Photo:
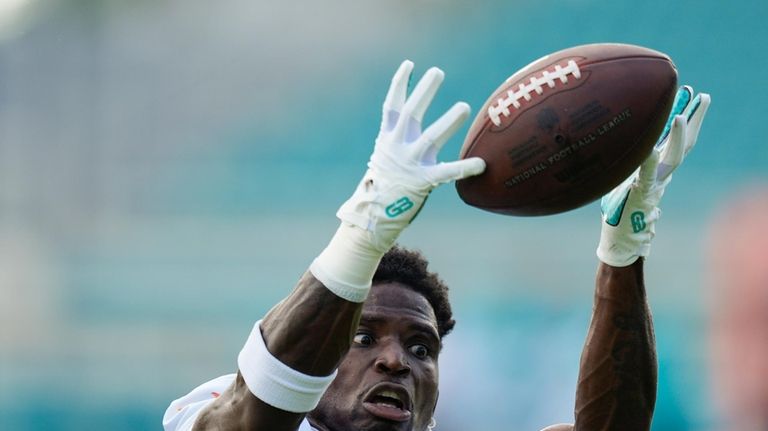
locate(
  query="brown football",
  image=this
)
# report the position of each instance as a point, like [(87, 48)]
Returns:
[(567, 128)]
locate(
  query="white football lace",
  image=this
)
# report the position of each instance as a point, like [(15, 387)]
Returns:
[(523, 91)]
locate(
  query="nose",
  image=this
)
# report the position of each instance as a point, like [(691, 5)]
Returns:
[(392, 360)]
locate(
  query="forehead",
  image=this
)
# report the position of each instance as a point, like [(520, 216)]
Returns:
[(392, 298)]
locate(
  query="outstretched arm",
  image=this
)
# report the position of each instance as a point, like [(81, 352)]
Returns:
[(617, 375), (618, 371), (290, 357)]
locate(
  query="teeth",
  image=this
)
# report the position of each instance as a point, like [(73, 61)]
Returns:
[(391, 394)]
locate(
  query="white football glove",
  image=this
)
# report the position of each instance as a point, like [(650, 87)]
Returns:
[(402, 171), (630, 211), (403, 168)]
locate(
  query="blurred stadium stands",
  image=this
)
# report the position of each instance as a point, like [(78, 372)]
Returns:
[(168, 169)]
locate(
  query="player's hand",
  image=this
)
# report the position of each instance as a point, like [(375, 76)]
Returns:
[(630, 210), (403, 168)]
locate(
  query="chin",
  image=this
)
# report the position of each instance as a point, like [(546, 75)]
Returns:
[(384, 425), (358, 421), (364, 421)]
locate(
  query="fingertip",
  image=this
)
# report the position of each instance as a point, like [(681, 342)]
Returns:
[(395, 97), (457, 170), (478, 165), (705, 100), (682, 99), (422, 95), (433, 77), (461, 111), (406, 65), (436, 72), (403, 74), (465, 168), (404, 71), (463, 106), (699, 109)]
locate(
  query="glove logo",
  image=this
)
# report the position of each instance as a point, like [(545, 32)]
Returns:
[(638, 221), (398, 207)]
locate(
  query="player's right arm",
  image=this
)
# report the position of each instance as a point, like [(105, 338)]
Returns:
[(291, 354), (618, 370)]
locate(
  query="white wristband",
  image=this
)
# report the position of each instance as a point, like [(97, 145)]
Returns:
[(347, 264), (276, 383)]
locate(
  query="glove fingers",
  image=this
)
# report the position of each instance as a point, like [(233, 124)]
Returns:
[(416, 105), (450, 171), (682, 101), (674, 149), (696, 115), (440, 131), (647, 175), (398, 88)]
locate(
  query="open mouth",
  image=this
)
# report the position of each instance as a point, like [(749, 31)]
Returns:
[(388, 401)]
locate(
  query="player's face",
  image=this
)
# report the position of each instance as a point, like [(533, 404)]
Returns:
[(388, 380)]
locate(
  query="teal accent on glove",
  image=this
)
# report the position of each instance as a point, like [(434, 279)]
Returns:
[(630, 210), (695, 107), (638, 221), (398, 207), (612, 206), (682, 99)]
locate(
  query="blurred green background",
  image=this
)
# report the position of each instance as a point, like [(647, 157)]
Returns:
[(168, 169)]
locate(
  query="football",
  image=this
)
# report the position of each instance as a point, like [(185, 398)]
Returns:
[(567, 128)]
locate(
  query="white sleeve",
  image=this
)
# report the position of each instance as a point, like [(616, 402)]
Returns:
[(182, 413), (304, 426)]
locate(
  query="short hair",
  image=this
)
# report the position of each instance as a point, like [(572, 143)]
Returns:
[(410, 268)]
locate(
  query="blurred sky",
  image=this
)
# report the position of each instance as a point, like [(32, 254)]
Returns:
[(168, 169)]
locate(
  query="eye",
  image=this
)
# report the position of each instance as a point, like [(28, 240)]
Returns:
[(362, 339), (419, 350)]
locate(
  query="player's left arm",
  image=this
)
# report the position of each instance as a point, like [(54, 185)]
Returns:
[(618, 369)]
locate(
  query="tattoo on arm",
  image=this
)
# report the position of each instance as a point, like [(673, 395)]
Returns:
[(617, 376)]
